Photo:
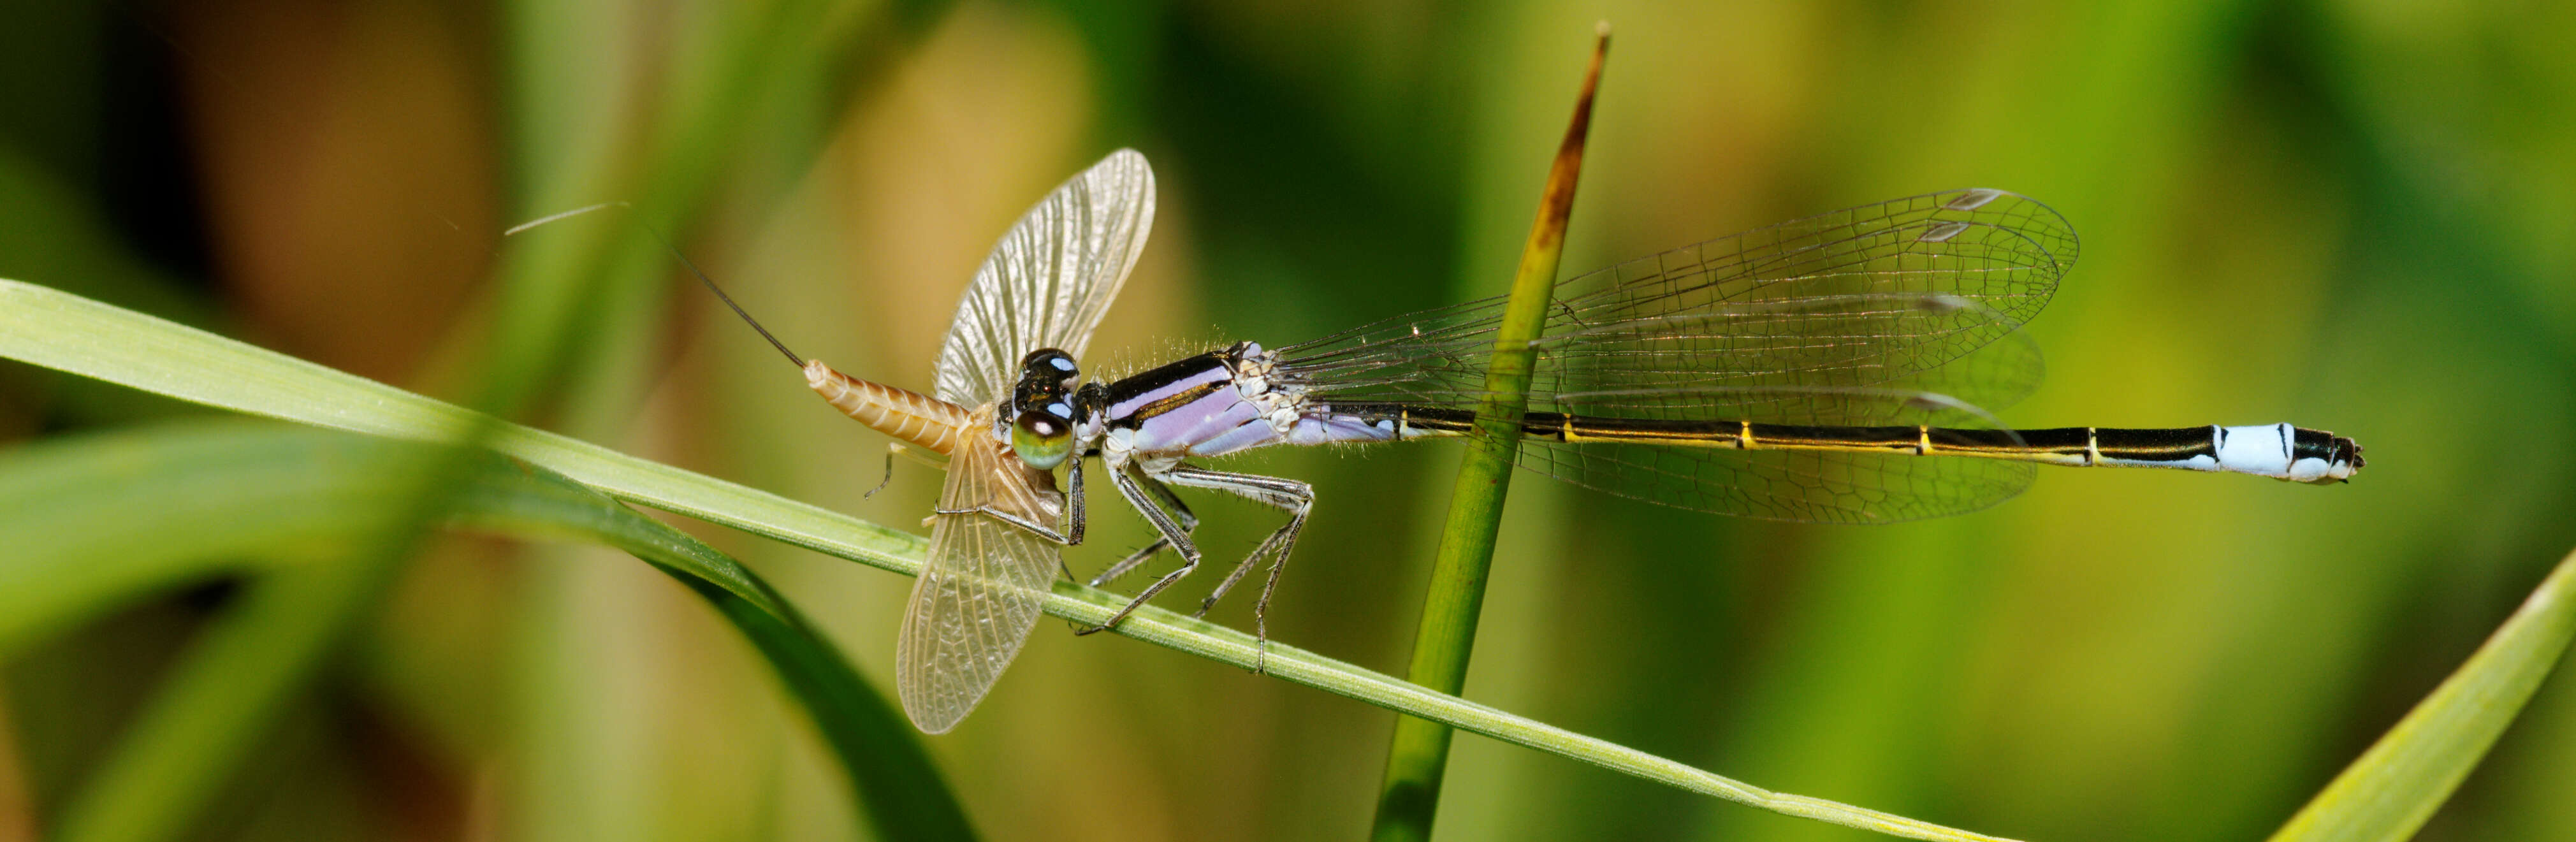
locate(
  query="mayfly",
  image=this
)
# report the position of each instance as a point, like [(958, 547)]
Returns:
[(1828, 369)]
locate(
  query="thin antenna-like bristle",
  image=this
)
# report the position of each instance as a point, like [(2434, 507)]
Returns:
[(676, 255), (558, 217), (737, 308)]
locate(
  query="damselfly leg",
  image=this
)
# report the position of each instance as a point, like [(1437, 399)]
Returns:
[(1172, 505), (1288, 495), (1132, 484), (1032, 527)]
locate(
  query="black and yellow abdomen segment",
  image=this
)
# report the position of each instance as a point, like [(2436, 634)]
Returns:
[(2278, 450)]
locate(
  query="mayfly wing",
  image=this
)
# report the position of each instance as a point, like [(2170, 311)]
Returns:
[(1049, 279), (1045, 285), (981, 590)]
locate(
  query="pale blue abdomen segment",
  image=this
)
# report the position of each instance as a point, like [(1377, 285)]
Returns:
[(1254, 431), (1218, 415), (1332, 429), (1311, 429)]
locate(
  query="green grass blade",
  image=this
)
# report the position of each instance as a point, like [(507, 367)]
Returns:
[(63, 331), (2396, 785), (70, 512), (313, 494), (222, 699), (1418, 753), (891, 774), (58, 330), (235, 682), (890, 770)]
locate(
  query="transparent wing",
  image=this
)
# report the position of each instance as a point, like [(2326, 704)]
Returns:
[(1883, 314), (1786, 359), (1808, 486), (1049, 279), (1857, 297), (980, 592)]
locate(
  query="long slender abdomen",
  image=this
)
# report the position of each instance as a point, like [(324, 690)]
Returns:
[(2280, 451), (911, 417)]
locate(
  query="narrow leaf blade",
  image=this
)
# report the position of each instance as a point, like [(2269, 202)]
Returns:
[(2396, 785)]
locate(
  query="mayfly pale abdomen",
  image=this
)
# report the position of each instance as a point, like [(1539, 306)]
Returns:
[(908, 416)]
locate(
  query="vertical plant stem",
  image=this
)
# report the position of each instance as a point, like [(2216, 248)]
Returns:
[(1418, 755)]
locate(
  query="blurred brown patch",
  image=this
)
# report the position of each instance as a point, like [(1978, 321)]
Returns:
[(348, 170), (980, 124)]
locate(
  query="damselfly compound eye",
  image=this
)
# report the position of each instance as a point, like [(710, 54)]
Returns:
[(1048, 365)]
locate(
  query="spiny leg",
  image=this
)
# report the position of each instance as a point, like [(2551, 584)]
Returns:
[(1073, 493), (889, 474), (1139, 557), (1032, 527), (1073, 490), (1296, 498), (1134, 491), (1288, 495), (894, 449), (1171, 503), (1071, 534)]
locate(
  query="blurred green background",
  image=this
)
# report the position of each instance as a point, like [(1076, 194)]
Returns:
[(2349, 215)]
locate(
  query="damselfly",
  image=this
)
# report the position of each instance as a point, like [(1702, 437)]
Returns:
[(1830, 369)]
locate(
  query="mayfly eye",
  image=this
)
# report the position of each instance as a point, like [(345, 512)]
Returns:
[(1041, 440)]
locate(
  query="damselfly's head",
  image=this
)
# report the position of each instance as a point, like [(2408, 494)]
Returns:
[(1042, 406)]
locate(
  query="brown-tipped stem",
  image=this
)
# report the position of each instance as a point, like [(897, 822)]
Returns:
[(1418, 754)]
